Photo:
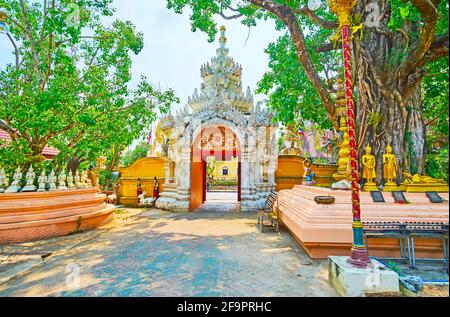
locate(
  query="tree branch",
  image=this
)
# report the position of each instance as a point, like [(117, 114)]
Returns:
[(416, 58), (329, 25), (327, 47), (57, 44), (230, 17), (16, 50), (439, 48), (285, 14), (28, 32), (75, 140), (437, 116)]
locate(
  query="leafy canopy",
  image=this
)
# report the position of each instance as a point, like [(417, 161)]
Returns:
[(71, 88)]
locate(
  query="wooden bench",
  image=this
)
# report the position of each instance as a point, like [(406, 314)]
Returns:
[(406, 232), (267, 212)]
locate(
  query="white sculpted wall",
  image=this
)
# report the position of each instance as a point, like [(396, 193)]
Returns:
[(221, 103)]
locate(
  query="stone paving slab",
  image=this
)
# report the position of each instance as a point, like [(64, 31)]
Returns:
[(156, 253)]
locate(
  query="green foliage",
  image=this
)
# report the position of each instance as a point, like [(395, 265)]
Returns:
[(138, 152), (435, 98), (201, 16), (435, 112), (105, 178), (71, 89), (219, 182), (375, 119), (291, 95), (437, 163), (395, 267), (210, 166), (400, 12)]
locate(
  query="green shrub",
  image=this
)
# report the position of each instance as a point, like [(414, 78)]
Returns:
[(223, 183), (137, 153), (437, 163)]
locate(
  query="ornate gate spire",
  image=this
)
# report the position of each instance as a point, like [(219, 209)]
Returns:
[(222, 82)]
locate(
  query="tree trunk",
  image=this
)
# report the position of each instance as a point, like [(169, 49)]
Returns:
[(415, 134), (383, 116), (73, 163)]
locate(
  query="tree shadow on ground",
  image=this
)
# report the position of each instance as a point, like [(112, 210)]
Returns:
[(180, 255)]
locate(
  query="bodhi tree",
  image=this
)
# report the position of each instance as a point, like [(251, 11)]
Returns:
[(394, 45), (70, 87)]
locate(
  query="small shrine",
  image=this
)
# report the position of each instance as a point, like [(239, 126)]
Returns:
[(219, 120)]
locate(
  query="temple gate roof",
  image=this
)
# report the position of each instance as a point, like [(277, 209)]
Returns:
[(222, 82)]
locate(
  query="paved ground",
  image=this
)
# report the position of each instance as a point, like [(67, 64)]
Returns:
[(214, 252), (217, 196)]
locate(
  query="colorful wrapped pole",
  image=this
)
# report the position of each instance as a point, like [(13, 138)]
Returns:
[(359, 255)]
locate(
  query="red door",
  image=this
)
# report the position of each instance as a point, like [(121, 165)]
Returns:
[(204, 181), (198, 179)]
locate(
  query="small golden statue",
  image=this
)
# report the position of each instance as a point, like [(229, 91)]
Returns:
[(369, 173), (390, 165), (390, 170), (93, 176)]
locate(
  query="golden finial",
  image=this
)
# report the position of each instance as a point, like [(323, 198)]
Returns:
[(342, 8), (223, 38)]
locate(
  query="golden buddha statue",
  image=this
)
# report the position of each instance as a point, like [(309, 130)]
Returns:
[(390, 170), (389, 165), (368, 161), (344, 153), (421, 183)]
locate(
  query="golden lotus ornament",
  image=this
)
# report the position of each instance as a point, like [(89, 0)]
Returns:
[(342, 9)]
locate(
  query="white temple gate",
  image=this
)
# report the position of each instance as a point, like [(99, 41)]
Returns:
[(222, 121)]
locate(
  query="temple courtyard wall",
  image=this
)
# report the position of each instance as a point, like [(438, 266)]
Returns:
[(289, 173), (146, 169)]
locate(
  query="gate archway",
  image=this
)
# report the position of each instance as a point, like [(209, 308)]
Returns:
[(220, 142), (219, 120)]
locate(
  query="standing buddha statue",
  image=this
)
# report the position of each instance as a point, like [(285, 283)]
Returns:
[(155, 188), (389, 170), (368, 163), (139, 189)]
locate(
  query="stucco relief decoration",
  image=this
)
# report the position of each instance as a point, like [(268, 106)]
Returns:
[(221, 116)]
